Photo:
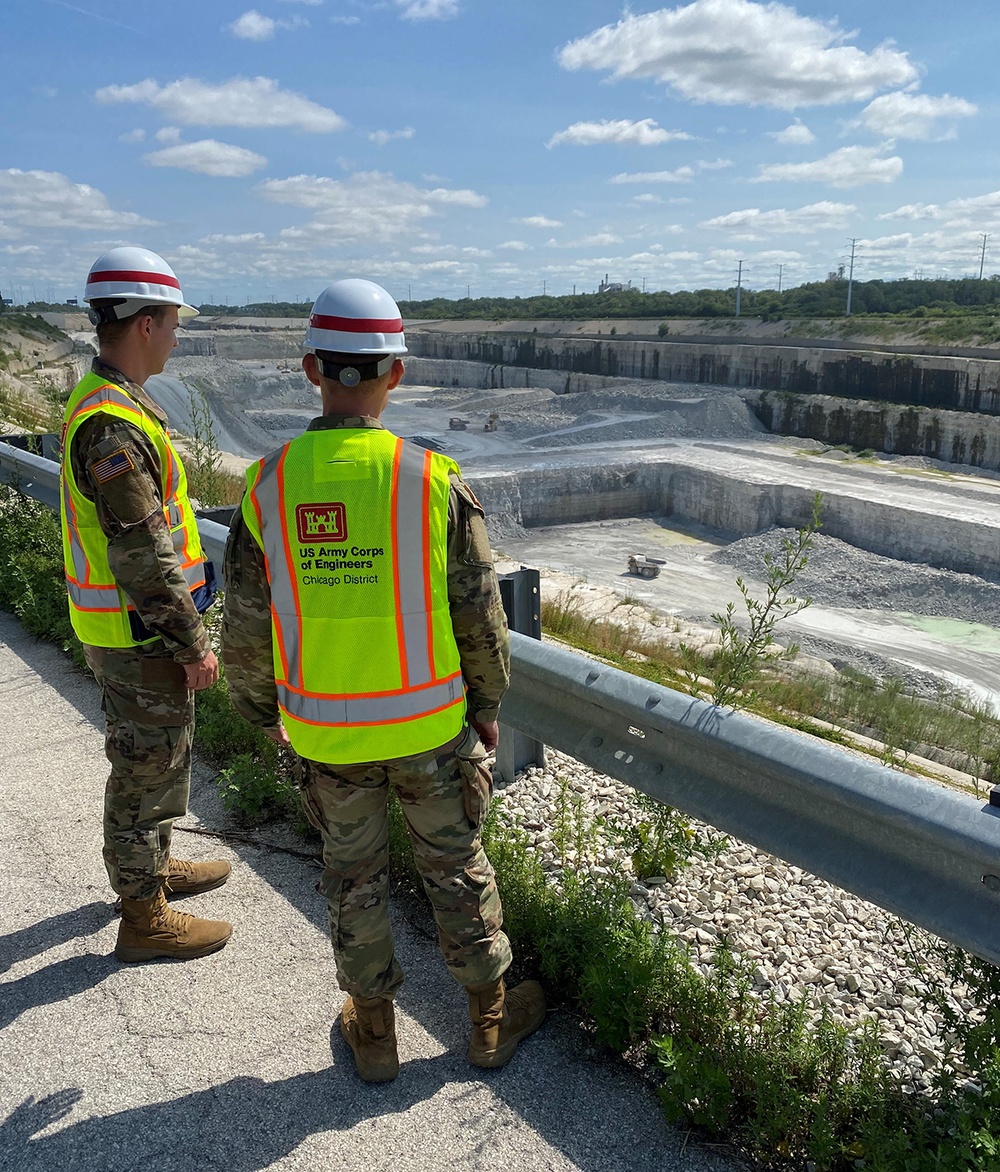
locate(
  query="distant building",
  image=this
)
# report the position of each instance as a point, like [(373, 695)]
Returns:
[(611, 287), (8, 301), (836, 276)]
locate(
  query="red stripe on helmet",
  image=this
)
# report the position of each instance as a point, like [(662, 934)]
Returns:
[(358, 325), (138, 277)]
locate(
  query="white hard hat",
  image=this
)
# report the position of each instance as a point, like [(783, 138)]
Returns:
[(135, 277), (355, 317)]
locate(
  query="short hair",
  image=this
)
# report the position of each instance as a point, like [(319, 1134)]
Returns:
[(111, 332)]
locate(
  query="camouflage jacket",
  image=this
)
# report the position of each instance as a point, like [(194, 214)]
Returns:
[(477, 614), (130, 513)]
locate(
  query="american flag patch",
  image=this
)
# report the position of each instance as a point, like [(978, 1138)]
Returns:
[(112, 466)]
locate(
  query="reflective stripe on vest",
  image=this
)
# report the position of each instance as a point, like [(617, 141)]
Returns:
[(98, 610), (421, 701)]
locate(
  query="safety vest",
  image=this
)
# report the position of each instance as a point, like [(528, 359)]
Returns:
[(101, 614), (353, 523)]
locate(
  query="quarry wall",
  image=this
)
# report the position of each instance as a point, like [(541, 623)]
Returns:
[(958, 437), (945, 383), (732, 503)]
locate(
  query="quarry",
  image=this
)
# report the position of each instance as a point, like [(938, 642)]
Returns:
[(591, 442)]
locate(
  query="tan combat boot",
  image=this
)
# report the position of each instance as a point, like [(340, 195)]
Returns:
[(501, 1019), (184, 878), (151, 928), (368, 1026)]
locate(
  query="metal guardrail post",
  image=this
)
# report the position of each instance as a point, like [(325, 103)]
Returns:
[(522, 603)]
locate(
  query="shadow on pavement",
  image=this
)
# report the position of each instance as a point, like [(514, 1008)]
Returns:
[(54, 983), (243, 1125), (56, 930)]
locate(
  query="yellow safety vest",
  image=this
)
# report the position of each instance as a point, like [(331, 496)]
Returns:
[(101, 614), (353, 523)]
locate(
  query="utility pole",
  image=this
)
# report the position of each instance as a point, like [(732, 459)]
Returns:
[(574, 290), (468, 292), (644, 284), (850, 277), (739, 287), (409, 293), (984, 236), (545, 286), (780, 267)]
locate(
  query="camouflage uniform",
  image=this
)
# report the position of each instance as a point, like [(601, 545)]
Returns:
[(444, 794), (149, 710)]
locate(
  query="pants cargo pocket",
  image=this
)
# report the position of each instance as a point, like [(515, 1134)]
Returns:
[(477, 789)]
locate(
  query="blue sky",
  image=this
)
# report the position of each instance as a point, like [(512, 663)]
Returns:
[(267, 147)]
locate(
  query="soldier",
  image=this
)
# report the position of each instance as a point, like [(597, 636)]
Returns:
[(362, 624), (137, 586)]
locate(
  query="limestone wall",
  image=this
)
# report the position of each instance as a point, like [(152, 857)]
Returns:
[(948, 383), (958, 437), (732, 503)]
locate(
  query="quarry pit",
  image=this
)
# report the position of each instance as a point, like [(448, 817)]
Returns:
[(904, 574)]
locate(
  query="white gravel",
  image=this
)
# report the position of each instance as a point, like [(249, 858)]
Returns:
[(804, 938)]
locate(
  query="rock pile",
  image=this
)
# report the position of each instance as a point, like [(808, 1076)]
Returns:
[(804, 939)]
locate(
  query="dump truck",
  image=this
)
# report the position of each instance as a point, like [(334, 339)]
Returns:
[(493, 422), (457, 424), (644, 567)]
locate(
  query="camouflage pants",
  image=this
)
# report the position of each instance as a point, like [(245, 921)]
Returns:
[(445, 795), (150, 726)]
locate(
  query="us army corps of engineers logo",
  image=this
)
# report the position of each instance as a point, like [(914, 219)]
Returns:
[(321, 523)]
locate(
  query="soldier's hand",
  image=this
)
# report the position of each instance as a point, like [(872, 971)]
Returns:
[(489, 733), (277, 734), (203, 674)]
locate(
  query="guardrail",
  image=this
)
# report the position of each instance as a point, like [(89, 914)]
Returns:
[(923, 852)]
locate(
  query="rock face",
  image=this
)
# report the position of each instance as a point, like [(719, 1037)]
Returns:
[(958, 437), (712, 486), (945, 383)]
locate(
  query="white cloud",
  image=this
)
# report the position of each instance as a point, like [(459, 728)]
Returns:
[(427, 9), (345, 19), (132, 136), (47, 199), (382, 137), (515, 246), (238, 238), (738, 52), (168, 134), (538, 222), (752, 222), (242, 101), (974, 213), (646, 197), (713, 164), (208, 157), (252, 26), (851, 166), (914, 211), (597, 240), (914, 116), (620, 131), (795, 135), (681, 175), (369, 205)]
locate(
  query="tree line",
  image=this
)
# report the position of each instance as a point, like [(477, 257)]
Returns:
[(824, 299)]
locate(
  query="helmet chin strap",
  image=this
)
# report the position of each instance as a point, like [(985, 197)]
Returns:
[(349, 375)]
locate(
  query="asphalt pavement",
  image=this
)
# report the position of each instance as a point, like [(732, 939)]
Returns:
[(235, 1061)]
